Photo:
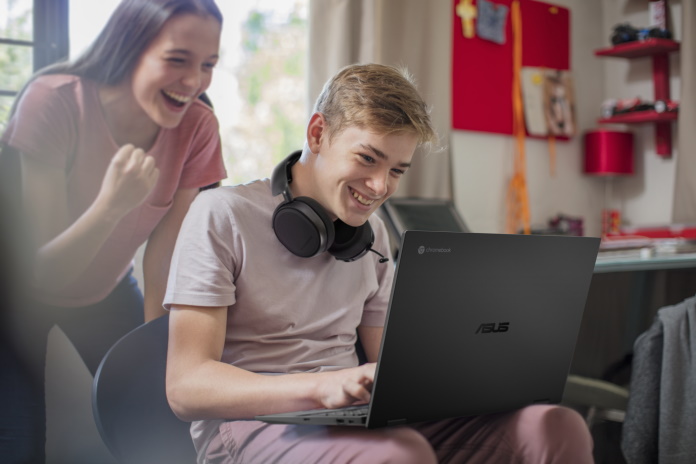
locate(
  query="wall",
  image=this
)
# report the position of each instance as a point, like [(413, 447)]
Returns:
[(482, 163), (646, 197)]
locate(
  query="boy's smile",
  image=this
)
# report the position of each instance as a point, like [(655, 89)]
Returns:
[(355, 171)]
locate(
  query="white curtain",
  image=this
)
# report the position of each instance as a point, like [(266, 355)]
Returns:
[(412, 33), (685, 182)]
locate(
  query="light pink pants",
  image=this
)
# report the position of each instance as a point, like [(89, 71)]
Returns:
[(535, 434)]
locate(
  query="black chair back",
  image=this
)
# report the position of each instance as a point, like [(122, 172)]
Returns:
[(130, 404)]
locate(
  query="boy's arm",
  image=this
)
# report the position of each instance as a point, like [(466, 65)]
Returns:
[(200, 386), (371, 339)]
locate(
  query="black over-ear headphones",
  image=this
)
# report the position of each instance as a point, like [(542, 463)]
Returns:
[(303, 226)]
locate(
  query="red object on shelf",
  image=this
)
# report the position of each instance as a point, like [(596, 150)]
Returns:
[(658, 49), (608, 153), (611, 222), (638, 48), (640, 116)]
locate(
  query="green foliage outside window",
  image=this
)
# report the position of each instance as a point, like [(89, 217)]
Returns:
[(272, 86), (15, 60)]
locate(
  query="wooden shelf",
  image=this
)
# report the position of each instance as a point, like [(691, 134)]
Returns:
[(639, 48), (639, 117)]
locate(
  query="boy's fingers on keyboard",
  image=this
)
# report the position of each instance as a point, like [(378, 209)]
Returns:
[(357, 391)]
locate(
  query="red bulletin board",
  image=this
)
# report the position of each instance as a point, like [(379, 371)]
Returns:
[(482, 70)]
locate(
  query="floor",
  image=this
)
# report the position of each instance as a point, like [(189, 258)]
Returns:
[(71, 434)]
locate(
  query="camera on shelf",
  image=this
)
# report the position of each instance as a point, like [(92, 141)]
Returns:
[(624, 33)]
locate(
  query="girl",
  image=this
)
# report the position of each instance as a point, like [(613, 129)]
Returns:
[(114, 147)]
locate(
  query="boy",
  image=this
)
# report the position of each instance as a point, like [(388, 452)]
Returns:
[(269, 293)]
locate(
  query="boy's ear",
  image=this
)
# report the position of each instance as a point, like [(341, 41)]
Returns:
[(315, 131)]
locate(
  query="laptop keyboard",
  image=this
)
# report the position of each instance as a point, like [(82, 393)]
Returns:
[(353, 411)]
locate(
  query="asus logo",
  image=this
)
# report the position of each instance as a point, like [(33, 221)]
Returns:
[(491, 327)]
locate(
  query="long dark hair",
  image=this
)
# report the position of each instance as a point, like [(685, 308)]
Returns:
[(131, 28)]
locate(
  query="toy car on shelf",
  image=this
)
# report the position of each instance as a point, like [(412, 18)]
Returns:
[(616, 106), (613, 106)]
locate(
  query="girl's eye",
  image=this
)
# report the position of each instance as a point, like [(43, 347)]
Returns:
[(176, 60)]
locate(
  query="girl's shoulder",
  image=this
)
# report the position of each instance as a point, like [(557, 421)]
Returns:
[(66, 88), (57, 81)]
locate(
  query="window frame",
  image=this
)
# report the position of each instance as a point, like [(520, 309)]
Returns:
[(51, 39)]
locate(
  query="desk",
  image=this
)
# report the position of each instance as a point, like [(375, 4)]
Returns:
[(624, 296), (652, 263)]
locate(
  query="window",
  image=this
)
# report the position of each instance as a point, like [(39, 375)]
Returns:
[(16, 51), (33, 34), (259, 85), (259, 89)]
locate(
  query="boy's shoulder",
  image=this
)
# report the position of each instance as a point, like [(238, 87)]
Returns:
[(257, 192), (255, 188)]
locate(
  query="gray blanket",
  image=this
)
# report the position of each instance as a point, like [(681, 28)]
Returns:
[(660, 425)]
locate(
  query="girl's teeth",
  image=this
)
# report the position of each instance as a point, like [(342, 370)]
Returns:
[(179, 98)]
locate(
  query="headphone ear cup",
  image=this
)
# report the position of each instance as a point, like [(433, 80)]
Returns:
[(303, 227), (351, 243)]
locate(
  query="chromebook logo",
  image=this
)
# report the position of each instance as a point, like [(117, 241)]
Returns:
[(422, 249)]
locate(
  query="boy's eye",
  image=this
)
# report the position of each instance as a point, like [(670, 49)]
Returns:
[(368, 158)]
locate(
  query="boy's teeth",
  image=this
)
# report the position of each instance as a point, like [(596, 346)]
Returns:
[(361, 199)]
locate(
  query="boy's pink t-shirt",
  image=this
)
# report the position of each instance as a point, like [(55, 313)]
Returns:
[(59, 120)]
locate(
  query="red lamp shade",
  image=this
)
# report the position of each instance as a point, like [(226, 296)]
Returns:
[(608, 153)]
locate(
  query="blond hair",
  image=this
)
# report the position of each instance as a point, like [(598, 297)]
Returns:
[(376, 97)]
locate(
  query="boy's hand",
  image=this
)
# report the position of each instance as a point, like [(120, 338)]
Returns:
[(346, 387)]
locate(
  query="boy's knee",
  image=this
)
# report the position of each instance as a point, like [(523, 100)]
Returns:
[(564, 433), (566, 421), (402, 445)]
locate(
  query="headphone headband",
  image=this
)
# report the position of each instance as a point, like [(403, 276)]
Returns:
[(282, 175)]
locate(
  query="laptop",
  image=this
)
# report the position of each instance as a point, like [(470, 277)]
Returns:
[(402, 214), (477, 323)]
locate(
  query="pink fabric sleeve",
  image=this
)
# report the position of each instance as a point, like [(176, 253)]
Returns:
[(204, 165), (375, 311), (43, 124)]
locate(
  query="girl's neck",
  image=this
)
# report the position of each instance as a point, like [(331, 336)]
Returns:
[(126, 120)]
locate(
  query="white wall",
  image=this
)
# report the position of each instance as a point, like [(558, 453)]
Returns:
[(482, 163), (647, 196)]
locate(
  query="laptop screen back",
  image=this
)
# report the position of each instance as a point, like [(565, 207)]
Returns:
[(480, 323)]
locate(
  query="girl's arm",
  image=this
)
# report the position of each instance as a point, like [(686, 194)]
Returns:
[(64, 249), (158, 253)]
